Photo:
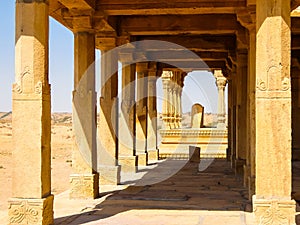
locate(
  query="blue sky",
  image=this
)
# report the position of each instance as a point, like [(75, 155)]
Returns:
[(199, 86)]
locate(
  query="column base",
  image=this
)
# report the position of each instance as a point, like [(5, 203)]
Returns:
[(228, 154), (239, 166), (128, 164), (31, 211), (152, 155), (84, 186), (274, 211), (251, 187), (142, 159), (194, 154), (232, 161), (246, 169), (109, 175)]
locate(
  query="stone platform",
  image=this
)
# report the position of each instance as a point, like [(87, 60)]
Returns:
[(175, 143)]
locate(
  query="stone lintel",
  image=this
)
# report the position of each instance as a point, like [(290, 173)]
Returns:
[(109, 175), (84, 186), (142, 159), (24, 211), (274, 211), (128, 163)]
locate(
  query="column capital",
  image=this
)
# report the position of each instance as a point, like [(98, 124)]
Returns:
[(166, 75), (221, 81), (83, 23), (152, 71), (142, 67), (105, 42)]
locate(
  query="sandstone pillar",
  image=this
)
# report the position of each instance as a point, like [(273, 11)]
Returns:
[(152, 114), (32, 202), (229, 149), (295, 74), (141, 113), (178, 103), (221, 82), (249, 169), (166, 80), (175, 98), (241, 111), (233, 116), (272, 201), (127, 158), (171, 93), (108, 119), (84, 180)]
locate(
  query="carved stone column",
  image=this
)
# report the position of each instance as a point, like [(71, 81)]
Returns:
[(127, 122), (166, 80), (174, 102), (232, 90), (221, 82), (272, 202), (141, 113), (84, 180), (178, 106), (152, 114), (249, 170), (241, 111), (180, 87), (32, 201), (229, 149), (108, 118), (171, 92), (295, 74)]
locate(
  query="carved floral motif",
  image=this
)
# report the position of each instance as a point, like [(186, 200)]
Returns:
[(23, 213), (273, 216), (38, 87), (286, 84), (261, 85)]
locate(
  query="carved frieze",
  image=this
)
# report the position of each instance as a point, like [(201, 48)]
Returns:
[(274, 212)]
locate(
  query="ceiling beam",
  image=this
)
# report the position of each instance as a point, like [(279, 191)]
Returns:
[(196, 43), (184, 56), (176, 24), (79, 4), (190, 66), (175, 7)]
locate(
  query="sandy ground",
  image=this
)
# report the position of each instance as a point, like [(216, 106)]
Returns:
[(61, 156)]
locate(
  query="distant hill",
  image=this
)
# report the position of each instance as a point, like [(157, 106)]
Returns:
[(210, 119)]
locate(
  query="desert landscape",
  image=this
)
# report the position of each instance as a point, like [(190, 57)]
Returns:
[(61, 154)]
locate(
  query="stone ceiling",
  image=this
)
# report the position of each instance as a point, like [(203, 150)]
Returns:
[(213, 29)]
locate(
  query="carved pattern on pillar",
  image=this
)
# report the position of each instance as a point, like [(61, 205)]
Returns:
[(221, 82), (32, 202), (166, 79), (31, 211), (172, 84), (274, 212), (273, 168)]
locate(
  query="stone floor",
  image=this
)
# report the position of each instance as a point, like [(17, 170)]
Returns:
[(170, 192)]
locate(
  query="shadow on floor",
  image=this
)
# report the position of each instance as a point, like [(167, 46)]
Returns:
[(216, 188)]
